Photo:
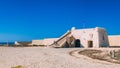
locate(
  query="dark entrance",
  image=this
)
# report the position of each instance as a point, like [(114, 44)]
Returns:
[(77, 43), (90, 43)]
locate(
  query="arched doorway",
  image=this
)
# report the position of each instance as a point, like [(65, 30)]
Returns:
[(77, 43)]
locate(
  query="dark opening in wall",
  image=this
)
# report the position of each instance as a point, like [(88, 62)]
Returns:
[(90, 43), (77, 43)]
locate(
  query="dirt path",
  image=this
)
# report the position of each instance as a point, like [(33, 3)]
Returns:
[(38, 57)]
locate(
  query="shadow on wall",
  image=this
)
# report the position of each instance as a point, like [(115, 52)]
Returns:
[(74, 44)]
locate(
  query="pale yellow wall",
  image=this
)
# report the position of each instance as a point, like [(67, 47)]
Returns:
[(114, 40), (49, 41), (37, 42)]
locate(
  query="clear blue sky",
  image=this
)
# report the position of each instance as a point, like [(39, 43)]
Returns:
[(36, 19)]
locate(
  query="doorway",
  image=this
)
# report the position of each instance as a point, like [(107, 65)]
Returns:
[(77, 43), (90, 44)]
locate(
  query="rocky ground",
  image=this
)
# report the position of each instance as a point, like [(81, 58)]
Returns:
[(43, 57)]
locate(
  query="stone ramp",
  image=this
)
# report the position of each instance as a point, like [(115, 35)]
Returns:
[(62, 41)]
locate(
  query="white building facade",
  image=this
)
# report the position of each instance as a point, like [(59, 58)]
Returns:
[(86, 38), (93, 37)]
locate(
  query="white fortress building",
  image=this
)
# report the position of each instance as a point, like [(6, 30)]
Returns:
[(86, 38)]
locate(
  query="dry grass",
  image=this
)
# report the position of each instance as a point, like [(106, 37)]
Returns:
[(18, 66), (101, 55)]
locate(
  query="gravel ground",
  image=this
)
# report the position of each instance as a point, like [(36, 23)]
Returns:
[(42, 57)]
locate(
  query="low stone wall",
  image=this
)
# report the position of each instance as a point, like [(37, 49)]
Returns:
[(47, 41), (114, 40), (37, 42)]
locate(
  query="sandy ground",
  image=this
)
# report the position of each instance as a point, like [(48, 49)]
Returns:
[(41, 57)]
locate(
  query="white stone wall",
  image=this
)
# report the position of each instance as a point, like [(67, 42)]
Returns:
[(103, 38), (83, 35), (16, 43), (93, 34)]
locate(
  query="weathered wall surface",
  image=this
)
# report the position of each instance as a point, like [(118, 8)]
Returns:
[(91, 37), (37, 42), (114, 40), (97, 35), (103, 38), (47, 41), (84, 35)]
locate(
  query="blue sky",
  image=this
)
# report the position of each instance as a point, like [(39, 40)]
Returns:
[(25, 20)]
